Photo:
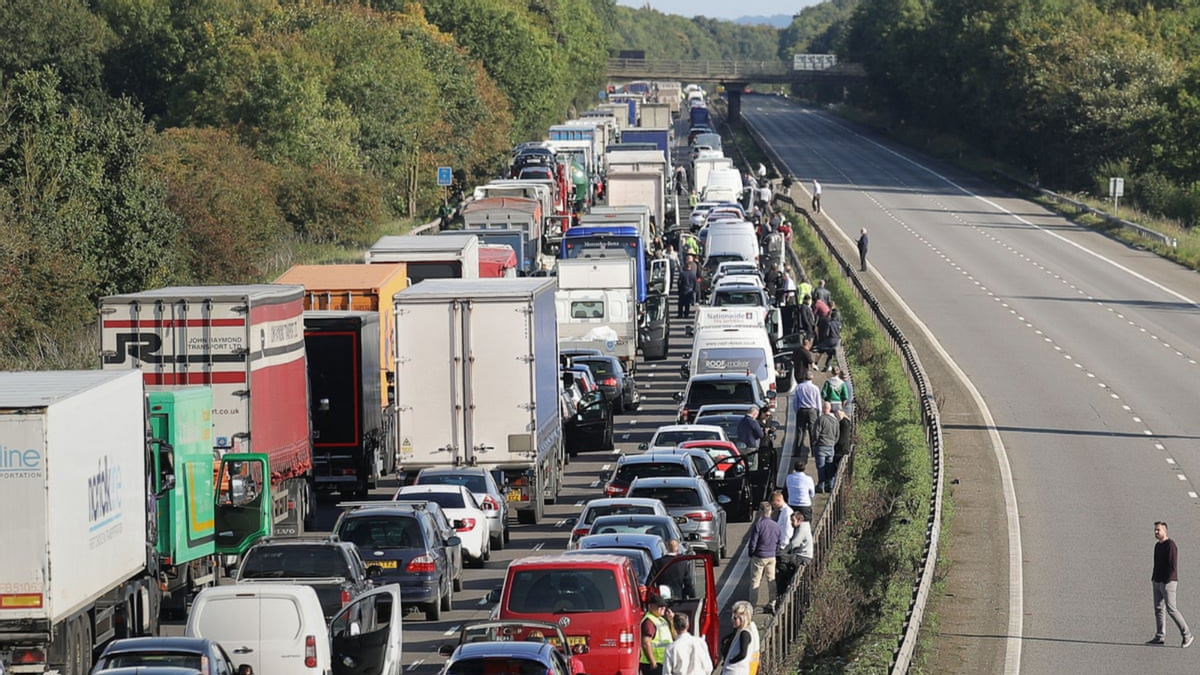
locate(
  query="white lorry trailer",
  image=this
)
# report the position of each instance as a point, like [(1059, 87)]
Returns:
[(477, 383), (448, 257), (597, 307), (78, 566)]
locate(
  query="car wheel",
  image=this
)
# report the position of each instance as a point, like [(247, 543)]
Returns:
[(433, 611), (507, 533), (498, 542)]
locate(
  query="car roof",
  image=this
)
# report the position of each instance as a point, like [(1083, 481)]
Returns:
[(650, 458), (631, 501), (387, 509), (667, 481), (149, 670), (475, 650), (452, 470), (689, 427), (717, 377), (180, 644), (632, 517), (632, 538), (561, 560), (429, 487)]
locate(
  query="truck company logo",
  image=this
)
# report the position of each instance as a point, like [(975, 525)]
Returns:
[(104, 502), (148, 347), (726, 364), (17, 463)]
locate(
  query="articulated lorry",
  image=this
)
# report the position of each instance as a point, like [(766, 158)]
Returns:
[(597, 307), (478, 384), (247, 344), (659, 136)]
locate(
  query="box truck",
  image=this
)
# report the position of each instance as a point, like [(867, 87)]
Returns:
[(478, 384), (247, 344), (505, 216), (450, 257), (597, 307), (78, 566)]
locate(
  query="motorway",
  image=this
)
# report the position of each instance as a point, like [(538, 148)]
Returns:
[(1083, 352)]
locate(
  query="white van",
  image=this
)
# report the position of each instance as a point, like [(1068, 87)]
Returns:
[(724, 185), (733, 350), (281, 630)]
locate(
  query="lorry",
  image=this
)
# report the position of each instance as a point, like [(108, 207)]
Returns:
[(670, 93), (656, 115), (608, 241), (597, 307), (624, 214), (659, 136), (497, 261), (247, 344), (553, 222), (698, 116), (704, 165), (79, 565), (622, 112), (508, 216), (350, 450), (634, 101), (478, 384), (451, 257), (640, 188)]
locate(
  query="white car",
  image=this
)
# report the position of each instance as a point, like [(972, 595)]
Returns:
[(670, 436), (738, 280), (464, 513), (611, 506), (733, 268)]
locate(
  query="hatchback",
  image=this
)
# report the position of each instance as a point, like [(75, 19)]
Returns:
[(487, 493), (612, 506), (630, 467), (671, 435), (460, 507), (198, 654), (730, 388), (618, 386), (695, 508)]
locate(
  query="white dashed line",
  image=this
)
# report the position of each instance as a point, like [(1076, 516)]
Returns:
[(451, 631)]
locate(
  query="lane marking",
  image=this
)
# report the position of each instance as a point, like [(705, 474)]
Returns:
[(415, 664), (451, 631), (538, 546)]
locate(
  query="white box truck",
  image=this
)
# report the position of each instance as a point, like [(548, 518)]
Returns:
[(597, 307), (639, 188), (78, 566), (448, 257), (477, 383)]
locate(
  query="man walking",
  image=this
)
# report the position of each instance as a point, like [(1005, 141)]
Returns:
[(687, 289), (1165, 578), (688, 654), (799, 486), (763, 546), (862, 249), (825, 439), (816, 200), (806, 408)]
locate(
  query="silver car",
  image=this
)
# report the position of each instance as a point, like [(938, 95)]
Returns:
[(694, 507), (487, 492)]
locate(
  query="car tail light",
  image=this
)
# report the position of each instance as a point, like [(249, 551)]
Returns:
[(468, 525), (422, 563), (345, 597), (626, 637), (28, 657), (614, 490), (310, 651), (490, 504), (772, 384), (610, 382), (580, 532), (703, 516)]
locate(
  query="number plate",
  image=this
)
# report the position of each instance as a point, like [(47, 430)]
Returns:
[(572, 640), (514, 495), (384, 564)]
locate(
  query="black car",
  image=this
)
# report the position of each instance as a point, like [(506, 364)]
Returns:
[(591, 427), (721, 388), (617, 385), (330, 566), (654, 329), (646, 464), (406, 543), (140, 654)]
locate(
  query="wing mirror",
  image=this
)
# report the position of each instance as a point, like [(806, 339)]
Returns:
[(643, 446), (771, 395), (692, 536), (445, 650), (723, 500), (677, 396)]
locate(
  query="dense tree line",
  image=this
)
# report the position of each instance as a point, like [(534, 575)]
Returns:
[(1075, 91), (670, 36), (152, 142)]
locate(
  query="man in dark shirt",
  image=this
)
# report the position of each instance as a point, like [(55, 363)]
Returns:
[(749, 431), (687, 288), (764, 544), (1165, 578)]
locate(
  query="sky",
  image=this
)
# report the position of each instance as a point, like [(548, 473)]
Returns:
[(722, 9)]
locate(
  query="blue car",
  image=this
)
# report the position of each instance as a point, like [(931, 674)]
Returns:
[(510, 658)]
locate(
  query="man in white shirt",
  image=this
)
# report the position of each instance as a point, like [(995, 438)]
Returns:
[(783, 516), (800, 489), (816, 193), (688, 654)]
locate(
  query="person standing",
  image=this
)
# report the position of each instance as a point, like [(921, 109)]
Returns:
[(823, 444), (834, 391), (762, 547), (808, 318), (799, 486), (742, 657), (657, 632), (816, 193), (749, 430), (821, 292), (687, 289), (806, 408), (830, 340), (783, 518), (842, 448), (1165, 579), (762, 170), (688, 654), (802, 359), (862, 249)]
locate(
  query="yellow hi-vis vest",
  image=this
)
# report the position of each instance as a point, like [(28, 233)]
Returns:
[(662, 638)]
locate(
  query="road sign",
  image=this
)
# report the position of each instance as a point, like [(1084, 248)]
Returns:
[(445, 177), (813, 61), (1116, 190)]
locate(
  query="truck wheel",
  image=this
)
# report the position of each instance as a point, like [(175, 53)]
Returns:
[(74, 661)]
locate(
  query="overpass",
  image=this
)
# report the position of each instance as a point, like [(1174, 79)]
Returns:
[(733, 75)]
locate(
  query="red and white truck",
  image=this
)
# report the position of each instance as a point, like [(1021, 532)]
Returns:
[(247, 344)]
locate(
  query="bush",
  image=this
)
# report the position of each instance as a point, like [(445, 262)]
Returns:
[(325, 205)]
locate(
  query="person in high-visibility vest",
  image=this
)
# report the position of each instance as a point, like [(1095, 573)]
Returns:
[(743, 656), (657, 632)]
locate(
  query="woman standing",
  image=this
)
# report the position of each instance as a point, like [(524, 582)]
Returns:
[(742, 656)]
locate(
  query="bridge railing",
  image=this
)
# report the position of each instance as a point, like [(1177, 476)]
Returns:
[(688, 68)]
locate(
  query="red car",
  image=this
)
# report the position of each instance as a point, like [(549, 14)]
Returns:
[(723, 453)]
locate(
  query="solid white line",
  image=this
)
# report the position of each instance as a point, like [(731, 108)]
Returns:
[(1016, 612), (735, 575)]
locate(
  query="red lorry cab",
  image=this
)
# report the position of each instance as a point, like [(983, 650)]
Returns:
[(596, 601)]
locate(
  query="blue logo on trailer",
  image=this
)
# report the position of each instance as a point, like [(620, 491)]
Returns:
[(444, 176)]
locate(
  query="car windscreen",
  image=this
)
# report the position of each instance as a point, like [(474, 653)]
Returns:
[(724, 391), (614, 509), (670, 439), (293, 560), (474, 482), (640, 559), (658, 529), (727, 422), (382, 532), (628, 472), (446, 500), (601, 368), (724, 298), (557, 591), (151, 659), (732, 360), (670, 496), (497, 665)]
